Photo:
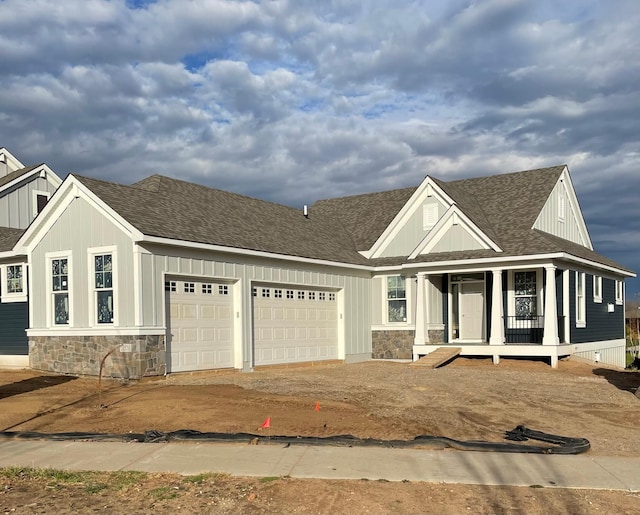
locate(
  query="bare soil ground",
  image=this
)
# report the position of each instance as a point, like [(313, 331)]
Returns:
[(469, 399)]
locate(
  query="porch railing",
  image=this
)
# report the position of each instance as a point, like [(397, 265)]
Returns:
[(530, 329)]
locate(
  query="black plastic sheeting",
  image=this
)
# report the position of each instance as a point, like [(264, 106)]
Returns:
[(561, 444)]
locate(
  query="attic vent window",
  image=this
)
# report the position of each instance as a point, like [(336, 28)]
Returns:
[(561, 206), (429, 216)]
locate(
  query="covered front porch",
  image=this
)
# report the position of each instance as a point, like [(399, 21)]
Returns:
[(497, 312)]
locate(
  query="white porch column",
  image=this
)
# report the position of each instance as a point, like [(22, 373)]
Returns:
[(550, 336), (421, 334), (497, 311)]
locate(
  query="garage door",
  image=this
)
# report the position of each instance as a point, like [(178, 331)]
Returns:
[(199, 325), (294, 325)]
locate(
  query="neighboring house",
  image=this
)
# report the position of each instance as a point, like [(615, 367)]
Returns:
[(168, 276), (24, 191)]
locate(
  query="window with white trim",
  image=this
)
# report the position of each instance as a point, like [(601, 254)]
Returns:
[(597, 288), (289, 294), (60, 290), (277, 294), (223, 289), (312, 295), (171, 286), (103, 288), (207, 289), (322, 296), (13, 287), (332, 297), (396, 299), (619, 292), (525, 294), (189, 287), (581, 316), (266, 293)]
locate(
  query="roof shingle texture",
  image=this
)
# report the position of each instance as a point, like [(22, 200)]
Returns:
[(504, 207), (169, 208), (9, 237), (16, 174)]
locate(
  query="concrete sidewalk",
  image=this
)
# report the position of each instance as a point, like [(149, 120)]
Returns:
[(448, 466)]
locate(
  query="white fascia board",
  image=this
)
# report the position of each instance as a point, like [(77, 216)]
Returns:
[(48, 172), (444, 224), (565, 179), (410, 206), (11, 254), (12, 161), (246, 252), (70, 189), (514, 262), (575, 205)]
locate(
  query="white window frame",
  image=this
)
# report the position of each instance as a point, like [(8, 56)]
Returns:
[(93, 292), (511, 297), (597, 289), (387, 299), (49, 257), (7, 296), (581, 301), (619, 292), (34, 200)]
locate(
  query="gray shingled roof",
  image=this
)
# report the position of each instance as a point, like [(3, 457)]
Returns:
[(16, 174), (504, 207), (9, 237), (169, 208), (365, 216)]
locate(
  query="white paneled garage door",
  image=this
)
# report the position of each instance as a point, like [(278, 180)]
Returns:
[(294, 325), (200, 325)]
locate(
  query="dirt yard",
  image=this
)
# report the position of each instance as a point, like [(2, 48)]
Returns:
[(469, 399)]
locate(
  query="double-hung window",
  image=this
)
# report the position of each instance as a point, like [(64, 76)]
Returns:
[(619, 292), (597, 288), (103, 288), (525, 295), (60, 290), (396, 299), (13, 285), (581, 316)]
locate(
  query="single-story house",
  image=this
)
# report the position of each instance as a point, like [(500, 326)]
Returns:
[(167, 276), (24, 191)]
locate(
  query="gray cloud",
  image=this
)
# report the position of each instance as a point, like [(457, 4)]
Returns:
[(292, 101)]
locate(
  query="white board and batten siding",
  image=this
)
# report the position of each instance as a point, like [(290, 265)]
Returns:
[(559, 216), (353, 292), (79, 228), (415, 228), (294, 324), (17, 205)]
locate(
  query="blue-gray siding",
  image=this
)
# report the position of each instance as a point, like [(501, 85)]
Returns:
[(14, 319), (601, 325)]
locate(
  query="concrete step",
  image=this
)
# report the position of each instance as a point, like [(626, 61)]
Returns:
[(437, 357)]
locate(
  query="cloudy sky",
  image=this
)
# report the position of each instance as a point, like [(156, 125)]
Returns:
[(291, 101)]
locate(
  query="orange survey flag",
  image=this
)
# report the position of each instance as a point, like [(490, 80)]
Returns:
[(317, 406), (267, 422)]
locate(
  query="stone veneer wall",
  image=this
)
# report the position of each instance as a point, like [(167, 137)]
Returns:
[(81, 355), (392, 344), (399, 344)]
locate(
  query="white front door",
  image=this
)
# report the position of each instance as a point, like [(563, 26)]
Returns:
[(472, 311)]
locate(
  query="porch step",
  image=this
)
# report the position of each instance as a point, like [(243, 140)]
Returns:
[(437, 357)]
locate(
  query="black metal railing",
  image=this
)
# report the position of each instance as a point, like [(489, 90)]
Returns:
[(529, 329)]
